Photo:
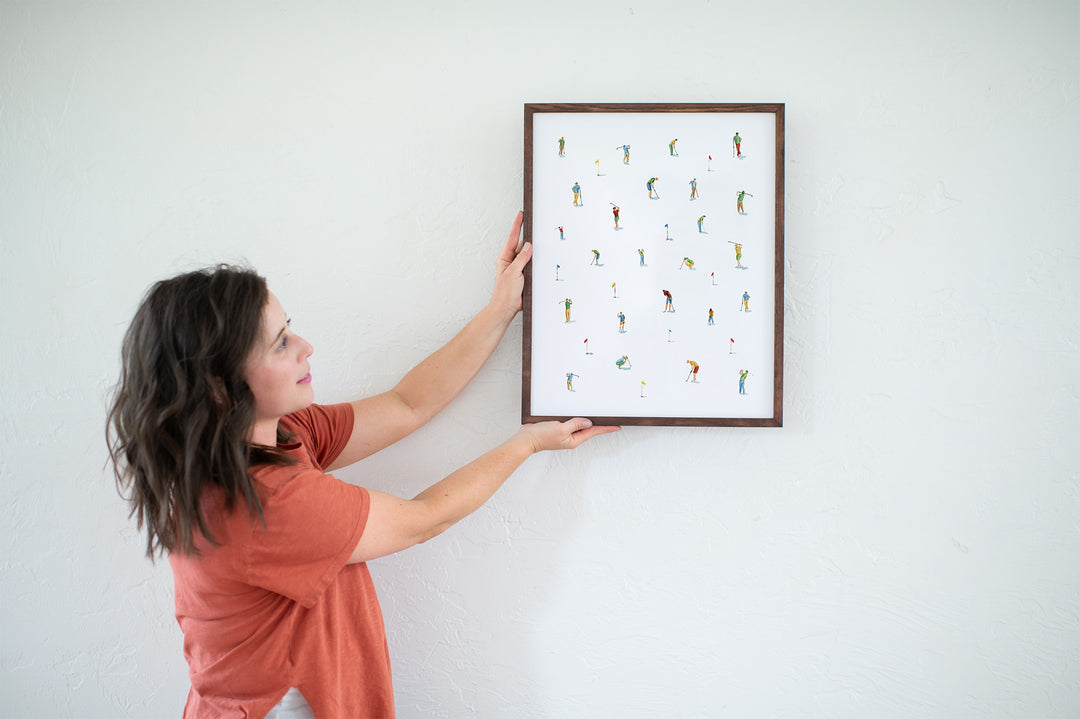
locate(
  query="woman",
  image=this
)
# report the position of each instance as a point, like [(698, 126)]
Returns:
[(216, 442)]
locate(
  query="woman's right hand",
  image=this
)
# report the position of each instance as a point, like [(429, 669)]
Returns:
[(562, 435)]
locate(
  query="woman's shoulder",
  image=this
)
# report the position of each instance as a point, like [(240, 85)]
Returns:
[(320, 431)]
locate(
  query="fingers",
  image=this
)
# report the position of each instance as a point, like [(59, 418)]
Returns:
[(582, 430), (552, 435), (513, 243), (522, 259), (515, 230), (586, 434), (577, 424)]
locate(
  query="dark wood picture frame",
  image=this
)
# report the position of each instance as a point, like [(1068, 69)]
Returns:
[(621, 117)]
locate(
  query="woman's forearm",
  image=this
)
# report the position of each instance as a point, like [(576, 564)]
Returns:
[(395, 524), (464, 491), (433, 383)]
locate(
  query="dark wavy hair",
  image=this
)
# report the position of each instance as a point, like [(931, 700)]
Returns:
[(182, 413)]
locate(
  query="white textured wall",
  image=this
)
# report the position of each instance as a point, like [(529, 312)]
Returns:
[(908, 545)]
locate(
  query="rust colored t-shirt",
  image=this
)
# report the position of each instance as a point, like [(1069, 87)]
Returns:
[(276, 607)]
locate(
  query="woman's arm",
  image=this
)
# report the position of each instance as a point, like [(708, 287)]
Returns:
[(381, 420), (394, 524)]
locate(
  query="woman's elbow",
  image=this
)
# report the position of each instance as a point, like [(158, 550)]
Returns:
[(433, 532)]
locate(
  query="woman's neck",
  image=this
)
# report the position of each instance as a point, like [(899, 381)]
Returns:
[(265, 432)]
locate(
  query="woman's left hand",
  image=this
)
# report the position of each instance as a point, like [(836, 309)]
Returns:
[(509, 268)]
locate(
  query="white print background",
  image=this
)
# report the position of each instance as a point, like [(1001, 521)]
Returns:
[(602, 389)]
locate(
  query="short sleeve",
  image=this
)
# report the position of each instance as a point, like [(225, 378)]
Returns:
[(313, 523), (324, 430)]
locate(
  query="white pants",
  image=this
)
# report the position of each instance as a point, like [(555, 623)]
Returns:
[(292, 706)]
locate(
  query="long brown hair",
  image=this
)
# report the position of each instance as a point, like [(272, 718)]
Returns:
[(182, 413)]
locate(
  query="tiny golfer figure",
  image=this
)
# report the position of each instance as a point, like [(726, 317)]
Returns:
[(738, 255), (739, 197)]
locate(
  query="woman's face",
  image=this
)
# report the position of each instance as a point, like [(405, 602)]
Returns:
[(277, 372)]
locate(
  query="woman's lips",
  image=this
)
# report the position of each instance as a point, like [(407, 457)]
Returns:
[(306, 379)]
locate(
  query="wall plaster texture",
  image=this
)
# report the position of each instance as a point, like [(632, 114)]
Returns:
[(906, 545)]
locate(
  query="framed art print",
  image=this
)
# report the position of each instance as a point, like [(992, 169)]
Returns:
[(655, 294)]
